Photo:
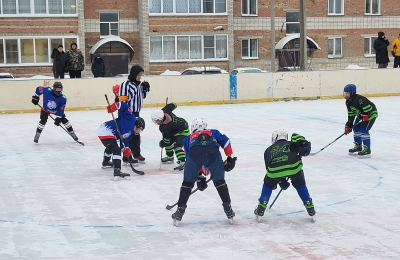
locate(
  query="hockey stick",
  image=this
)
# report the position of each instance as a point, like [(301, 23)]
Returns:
[(275, 199), (170, 207), (312, 154), (166, 102), (62, 126), (122, 141)]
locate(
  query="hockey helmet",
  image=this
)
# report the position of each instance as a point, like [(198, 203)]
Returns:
[(139, 123), (198, 124), (57, 85), (280, 134), (157, 115), (351, 88)]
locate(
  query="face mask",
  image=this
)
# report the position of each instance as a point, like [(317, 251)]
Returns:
[(57, 93)]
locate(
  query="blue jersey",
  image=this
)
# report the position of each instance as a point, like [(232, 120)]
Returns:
[(221, 139), (51, 104), (125, 121)]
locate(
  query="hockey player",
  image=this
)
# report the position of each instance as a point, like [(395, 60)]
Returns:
[(202, 158), (365, 113), (282, 161), (133, 91), (174, 129), (53, 103), (108, 135)]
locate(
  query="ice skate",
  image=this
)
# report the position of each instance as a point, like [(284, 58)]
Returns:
[(259, 211), (180, 167), (365, 153), (309, 207), (36, 139), (357, 148), (140, 159), (228, 211), (118, 175), (177, 216), (167, 159), (72, 133), (107, 164)]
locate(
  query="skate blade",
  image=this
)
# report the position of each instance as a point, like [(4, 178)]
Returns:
[(176, 223), (231, 220), (313, 220), (353, 154), (364, 156), (107, 167), (258, 218), (119, 178)]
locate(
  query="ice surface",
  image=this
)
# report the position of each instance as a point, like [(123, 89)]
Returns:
[(57, 203)]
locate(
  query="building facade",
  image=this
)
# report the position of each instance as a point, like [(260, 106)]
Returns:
[(178, 34)]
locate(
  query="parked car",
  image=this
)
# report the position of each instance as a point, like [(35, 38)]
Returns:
[(247, 70), (203, 70), (6, 76)]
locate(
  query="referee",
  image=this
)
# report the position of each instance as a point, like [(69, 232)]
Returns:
[(133, 91)]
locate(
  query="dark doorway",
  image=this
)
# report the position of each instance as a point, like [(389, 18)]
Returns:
[(289, 58), (115, 64)]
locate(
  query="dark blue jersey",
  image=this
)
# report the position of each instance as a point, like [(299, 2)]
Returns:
[(51, 104)]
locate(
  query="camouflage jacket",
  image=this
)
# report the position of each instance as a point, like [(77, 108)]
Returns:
[(75, 60)]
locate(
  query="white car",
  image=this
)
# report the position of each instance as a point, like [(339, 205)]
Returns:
[(6, 76), (247, 70)]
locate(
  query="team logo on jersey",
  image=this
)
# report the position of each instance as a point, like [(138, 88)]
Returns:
[(51, 105)]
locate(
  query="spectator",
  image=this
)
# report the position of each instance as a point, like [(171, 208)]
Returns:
[(60, 59), (381, 52), (395, 49), (98, 68), (76, 61), (53, 60)]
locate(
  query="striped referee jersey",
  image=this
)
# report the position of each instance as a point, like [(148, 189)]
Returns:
[(135, 94)]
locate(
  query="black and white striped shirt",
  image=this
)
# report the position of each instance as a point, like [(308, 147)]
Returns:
[(134, 93)]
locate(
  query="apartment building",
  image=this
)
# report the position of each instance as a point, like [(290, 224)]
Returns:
[(178, 34)]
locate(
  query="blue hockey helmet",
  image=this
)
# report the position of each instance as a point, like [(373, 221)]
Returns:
[(351, 88)]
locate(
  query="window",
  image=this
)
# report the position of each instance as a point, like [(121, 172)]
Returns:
[(249, 7), (336, 7), (335, 47), (292, 22), (372, 6), (369, 46), (250, 48), (187, 6), (109, 24), (174, 48), (29, 51), (35, 7)]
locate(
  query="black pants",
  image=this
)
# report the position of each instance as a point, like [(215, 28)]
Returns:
[(112, 148), (75, 74), (396, 62), (297, 180), (134, 143), (43, 120)]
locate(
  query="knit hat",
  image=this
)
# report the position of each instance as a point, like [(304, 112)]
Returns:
[(380, 34), (60, 45)]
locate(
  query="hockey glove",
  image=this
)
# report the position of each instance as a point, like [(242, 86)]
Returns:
[(146, 86), (113, 107), (305, 148), (163, 144), (127, 152), (229, 163), (57, 121), (364, 117), (201, 182), (348, 128), (35, 100), (284, 184)]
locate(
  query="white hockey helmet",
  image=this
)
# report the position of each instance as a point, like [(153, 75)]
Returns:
[(199, 124), (280, 134), (157, 115)]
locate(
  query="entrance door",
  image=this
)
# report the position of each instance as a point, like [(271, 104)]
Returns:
[(115, 64), (289, 58)]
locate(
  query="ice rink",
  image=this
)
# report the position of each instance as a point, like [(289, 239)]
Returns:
[(57, 203)]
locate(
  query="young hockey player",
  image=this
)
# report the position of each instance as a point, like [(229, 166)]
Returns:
[(283, 160), (174, 129), (54, 102), (202, 158), (108, 135), (365, 113)]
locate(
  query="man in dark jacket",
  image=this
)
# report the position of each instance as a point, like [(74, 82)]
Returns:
[(98, 68), (381, 53), (61, 62)]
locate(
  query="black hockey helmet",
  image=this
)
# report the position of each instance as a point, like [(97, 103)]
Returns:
[(57, 85), (139, 123)]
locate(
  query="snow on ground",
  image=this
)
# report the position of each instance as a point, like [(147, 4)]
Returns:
[(57, 203)]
